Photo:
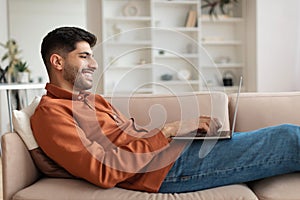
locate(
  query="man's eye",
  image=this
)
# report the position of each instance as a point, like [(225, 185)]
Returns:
[(83, 56)]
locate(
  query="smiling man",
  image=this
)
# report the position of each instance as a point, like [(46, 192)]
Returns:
[(86, 135), (92, 140)]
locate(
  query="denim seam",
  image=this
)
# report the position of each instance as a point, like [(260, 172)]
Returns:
[(216, 172)]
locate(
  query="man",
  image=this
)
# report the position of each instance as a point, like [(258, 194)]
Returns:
[(92, 140)]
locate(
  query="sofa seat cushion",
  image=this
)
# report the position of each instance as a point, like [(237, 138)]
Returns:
[(63, 189), (283, 187)]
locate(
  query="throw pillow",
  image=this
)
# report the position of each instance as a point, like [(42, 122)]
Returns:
[(21, 123)]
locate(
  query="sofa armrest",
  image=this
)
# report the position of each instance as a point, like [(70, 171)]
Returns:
[(258, 110), (18, 169)]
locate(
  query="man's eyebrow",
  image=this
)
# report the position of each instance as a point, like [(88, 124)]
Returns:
[(85, 53)]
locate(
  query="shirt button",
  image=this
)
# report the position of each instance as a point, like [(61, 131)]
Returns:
[(115, 116)]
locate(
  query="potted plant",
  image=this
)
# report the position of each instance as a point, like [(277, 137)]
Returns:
[(213, 4), (22, 72), (12, 56)]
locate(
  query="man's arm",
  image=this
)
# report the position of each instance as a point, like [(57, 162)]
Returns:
[(60, 137)]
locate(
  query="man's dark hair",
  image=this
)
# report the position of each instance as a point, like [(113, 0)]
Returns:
[(64, 40)]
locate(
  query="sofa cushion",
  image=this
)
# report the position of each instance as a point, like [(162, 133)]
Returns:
[(258, 110), (282, 187), (60, 189), (21, 123)]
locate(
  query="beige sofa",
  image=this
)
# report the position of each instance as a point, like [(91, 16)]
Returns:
[(21, 179)]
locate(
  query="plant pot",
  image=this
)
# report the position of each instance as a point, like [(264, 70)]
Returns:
[(23, 77)]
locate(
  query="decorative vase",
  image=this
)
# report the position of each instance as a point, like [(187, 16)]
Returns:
[(183, 74), (23, 77)]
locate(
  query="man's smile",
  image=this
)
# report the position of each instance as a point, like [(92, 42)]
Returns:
[(88, 73)]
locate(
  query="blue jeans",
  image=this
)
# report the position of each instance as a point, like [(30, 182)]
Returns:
[(246, 157)]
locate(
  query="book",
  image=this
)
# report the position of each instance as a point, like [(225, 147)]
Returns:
[(191, 19)]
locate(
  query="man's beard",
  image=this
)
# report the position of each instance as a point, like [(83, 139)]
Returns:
[(74, 76)]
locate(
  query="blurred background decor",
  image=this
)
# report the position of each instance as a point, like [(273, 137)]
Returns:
[(11, 54), (16, 69), (23, 73), (225, 6), (2, 74)]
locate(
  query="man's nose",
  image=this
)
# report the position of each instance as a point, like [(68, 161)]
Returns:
[(93, 63)]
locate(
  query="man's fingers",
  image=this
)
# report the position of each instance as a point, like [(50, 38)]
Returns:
[(205, 126), (214, 126), (218, 123)]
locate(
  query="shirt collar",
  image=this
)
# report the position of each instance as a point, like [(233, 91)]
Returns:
[(54, 91)]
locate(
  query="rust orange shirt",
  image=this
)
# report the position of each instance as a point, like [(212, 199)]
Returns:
[(88, 137)]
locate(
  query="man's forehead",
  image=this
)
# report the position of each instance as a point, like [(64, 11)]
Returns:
[(83, 47)]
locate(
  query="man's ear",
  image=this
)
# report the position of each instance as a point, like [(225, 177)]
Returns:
[(56, 61)]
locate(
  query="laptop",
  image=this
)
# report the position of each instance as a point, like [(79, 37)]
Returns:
[(201, 135)]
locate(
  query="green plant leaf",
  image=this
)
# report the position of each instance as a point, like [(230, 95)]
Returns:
[(4, 57), (21, 66)]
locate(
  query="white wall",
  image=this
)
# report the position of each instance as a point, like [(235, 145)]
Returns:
[(3, 23), (3, 37), (278, 45), (29, 22)]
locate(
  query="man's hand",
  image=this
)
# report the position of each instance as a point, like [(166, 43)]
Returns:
[(204, 123), (209, 125)]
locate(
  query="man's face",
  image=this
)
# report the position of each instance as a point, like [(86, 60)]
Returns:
[(80, 66)]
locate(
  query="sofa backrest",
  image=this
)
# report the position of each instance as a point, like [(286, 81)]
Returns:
[(258, 110), (151, 111)]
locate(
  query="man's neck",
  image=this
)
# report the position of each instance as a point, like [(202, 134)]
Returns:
[(66, 86)]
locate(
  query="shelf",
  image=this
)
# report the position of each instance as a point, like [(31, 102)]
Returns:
[(227, 89), (21, 86), (221, 20), (181, 56), (167, 42), (129, 43), (225, 42), (225, 65), (130, 67), (133, 19), (124, 92), (178, 82), (176, 2), (185, 29)]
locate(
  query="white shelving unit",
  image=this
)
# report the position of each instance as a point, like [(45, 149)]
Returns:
[(224, 39), (148, 47)]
